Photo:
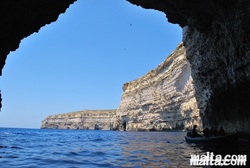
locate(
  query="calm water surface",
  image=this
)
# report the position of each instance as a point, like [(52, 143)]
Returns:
[(85, 148)]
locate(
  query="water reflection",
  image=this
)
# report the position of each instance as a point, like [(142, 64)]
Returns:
[(168, 149), (65, 148), (154, 149)]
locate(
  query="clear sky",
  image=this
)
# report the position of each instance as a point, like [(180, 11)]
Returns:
[(82, 60)]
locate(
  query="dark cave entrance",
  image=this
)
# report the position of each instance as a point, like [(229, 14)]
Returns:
[(124, 124)]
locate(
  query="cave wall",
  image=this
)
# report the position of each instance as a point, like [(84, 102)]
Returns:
[(216, 36), (19, 19)]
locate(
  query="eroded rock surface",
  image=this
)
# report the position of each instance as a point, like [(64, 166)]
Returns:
[(216, 37), (163, 99), (87, 119)]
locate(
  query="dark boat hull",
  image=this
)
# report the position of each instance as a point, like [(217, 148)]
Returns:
[(218, 139)]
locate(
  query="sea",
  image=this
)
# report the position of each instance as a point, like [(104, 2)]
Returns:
[(45, 148)]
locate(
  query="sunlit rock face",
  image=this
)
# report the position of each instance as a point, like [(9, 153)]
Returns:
[(163, 99), (216, 36), (87, 120)]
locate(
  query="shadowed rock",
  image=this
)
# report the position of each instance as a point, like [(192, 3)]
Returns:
[(216, 36)]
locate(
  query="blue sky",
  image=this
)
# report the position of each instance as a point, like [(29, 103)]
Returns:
[(82, 60)]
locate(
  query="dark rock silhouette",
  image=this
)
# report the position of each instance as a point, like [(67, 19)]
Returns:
[(20, 19), (216, 36)]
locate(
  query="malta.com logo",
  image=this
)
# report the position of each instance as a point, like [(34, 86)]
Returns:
[(209, 159)]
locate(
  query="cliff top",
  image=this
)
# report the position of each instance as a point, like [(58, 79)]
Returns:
[(84, 112), (153, 75)]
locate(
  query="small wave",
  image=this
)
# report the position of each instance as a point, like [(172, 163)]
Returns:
[(16, 147), (3, 146), (98, 139), (73, 153), (7, 133), (98, 153)]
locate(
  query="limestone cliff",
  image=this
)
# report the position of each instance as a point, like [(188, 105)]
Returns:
[(163, 99), (216, 37), (87, 119)]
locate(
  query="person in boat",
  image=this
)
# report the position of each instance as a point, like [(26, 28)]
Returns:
[(206, 132), (221, 131), (194, 132), (213, 132)]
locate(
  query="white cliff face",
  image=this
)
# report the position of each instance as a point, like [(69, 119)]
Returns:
[(216, 37), (163, 99), (87, 119)]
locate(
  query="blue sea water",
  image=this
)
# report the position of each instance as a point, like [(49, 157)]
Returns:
[(94, 148)]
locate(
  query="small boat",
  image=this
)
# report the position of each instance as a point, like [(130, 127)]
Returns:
[(228, 138)]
